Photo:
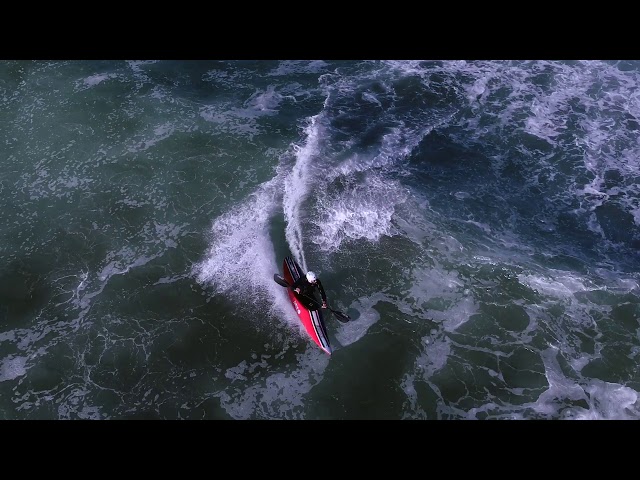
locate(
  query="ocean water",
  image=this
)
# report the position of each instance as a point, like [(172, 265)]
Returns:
[(478, 220)]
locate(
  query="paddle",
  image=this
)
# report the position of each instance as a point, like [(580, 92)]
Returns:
[(343, 317)]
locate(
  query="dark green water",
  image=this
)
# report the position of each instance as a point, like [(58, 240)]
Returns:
[(478, 221)]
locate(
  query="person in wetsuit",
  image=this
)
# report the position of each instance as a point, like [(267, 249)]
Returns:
[(306, 286)]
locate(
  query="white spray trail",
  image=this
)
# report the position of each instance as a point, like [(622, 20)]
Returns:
[(241, 259), (297, 187)]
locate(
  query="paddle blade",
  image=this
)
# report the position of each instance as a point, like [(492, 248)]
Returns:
[(342, 317), (279, 280)]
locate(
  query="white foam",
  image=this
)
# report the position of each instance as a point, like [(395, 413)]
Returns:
[(545, 123), (559, 285), (296, 188), (412, 411), (96, 79), (594, 225), (160, 132), (370, 97), (560, 388), (241, 259), (477, 90), (240, 243), (616, 283), (482, 226), (434, 355), (459, 313), (74, 405), (12, 367), (396, 146), (410, 220), (238, 121), (363, 212), (351, 332), (432, 358), (605, 400), (257, 393), (289, 67), (456, 306), (136, 65), (264, 102)]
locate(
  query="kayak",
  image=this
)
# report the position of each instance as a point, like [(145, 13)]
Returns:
[(308, 312)]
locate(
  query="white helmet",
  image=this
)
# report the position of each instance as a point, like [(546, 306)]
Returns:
[(311, 277)]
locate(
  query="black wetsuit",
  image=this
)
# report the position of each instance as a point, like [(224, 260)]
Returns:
[(307, 290)]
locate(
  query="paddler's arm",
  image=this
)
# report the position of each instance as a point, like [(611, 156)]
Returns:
[(296, 284), (322, 294)]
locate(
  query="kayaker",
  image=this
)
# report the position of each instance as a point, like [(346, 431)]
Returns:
[(307, 284)]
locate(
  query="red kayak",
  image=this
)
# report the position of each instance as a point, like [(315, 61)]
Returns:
[(308, 312)]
